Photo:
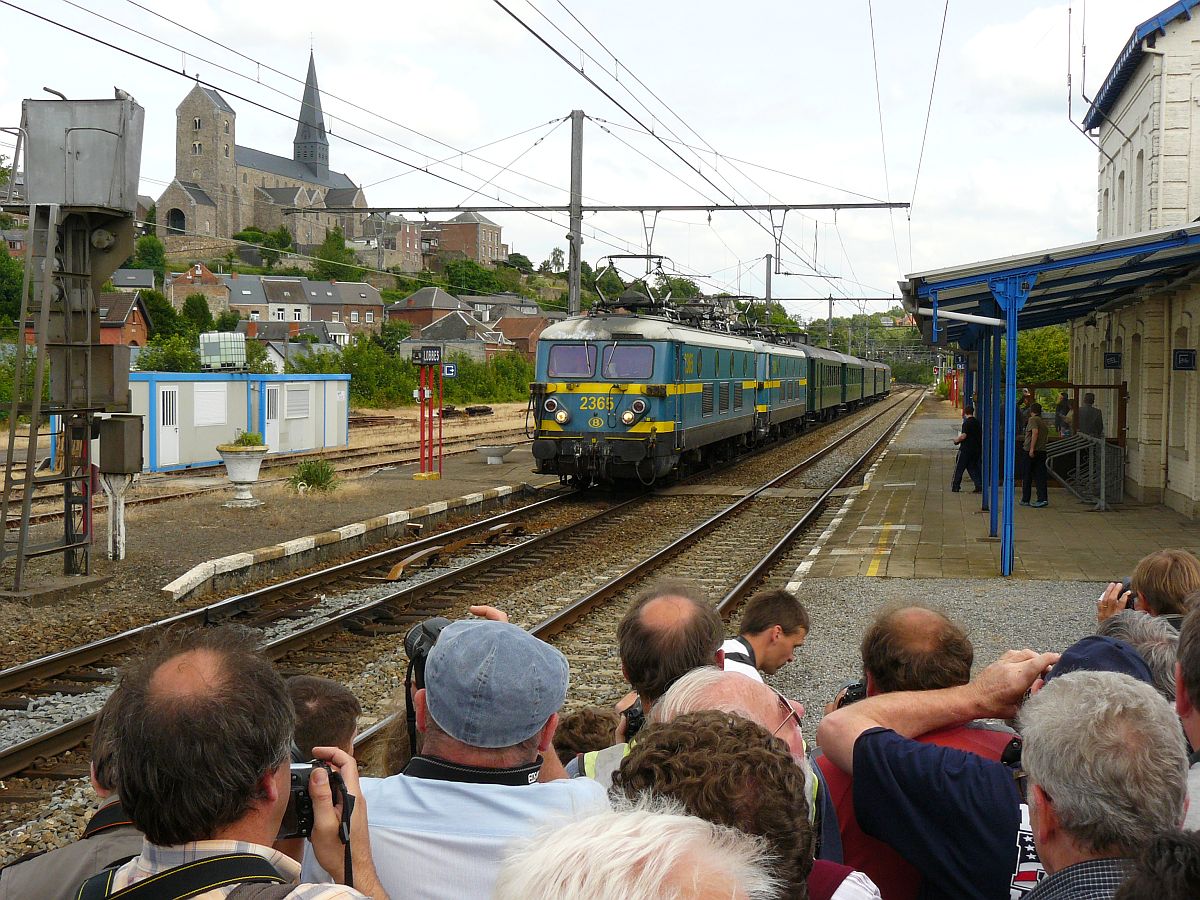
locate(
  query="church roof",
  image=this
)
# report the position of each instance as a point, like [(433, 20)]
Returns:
[(341, 196), (311, 124), (197, 193), (216, 98), (284, 196), (261, 161)]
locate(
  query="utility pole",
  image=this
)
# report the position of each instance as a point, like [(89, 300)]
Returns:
[(829, 325), (767, 309), (575, 238)]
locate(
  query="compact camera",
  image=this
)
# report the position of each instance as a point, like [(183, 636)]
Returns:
[(298, 818), (635, 718)]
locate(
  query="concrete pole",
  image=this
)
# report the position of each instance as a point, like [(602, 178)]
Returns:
[(829, 325), (575, 238), (115, 487)]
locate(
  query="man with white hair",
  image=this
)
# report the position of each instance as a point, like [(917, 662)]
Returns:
[(1103, 754), (650, 852)]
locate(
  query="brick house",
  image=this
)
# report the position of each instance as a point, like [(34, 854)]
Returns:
[(523, 331), (287, 299), (426, 306), (123, 319), (14, 239), (467, 236), (460, 332), (246, 297), (133, 280), (198, 279)]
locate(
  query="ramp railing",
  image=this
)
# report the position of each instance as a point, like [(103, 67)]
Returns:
[(1090, 468)]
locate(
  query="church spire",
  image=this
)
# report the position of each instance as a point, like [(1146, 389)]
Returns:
[(310, 145)]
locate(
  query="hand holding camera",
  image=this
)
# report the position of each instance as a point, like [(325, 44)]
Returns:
[(1116, 597), (326, 807)]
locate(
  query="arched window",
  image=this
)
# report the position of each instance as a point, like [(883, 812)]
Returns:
[(227, 126), (196, 124), (227, 151), (176, 222), (1104, 214), (197, 148)]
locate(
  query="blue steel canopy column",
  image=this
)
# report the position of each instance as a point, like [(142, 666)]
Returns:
[(1010, 292), (993, 427), (984, 414)]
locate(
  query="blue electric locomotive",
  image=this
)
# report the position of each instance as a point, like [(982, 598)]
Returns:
[(620, 396)]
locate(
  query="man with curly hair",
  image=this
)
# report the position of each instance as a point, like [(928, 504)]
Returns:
[(730, 771)]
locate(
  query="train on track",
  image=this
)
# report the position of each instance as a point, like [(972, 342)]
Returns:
[(623, 396)]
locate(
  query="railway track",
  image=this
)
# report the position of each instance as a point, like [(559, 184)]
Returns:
[(360, 459), (555, 580)]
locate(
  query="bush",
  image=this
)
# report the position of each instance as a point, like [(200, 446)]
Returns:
[(943, 390), (315, 475)]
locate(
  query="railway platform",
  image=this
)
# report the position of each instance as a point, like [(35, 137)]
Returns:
[(906, 522)]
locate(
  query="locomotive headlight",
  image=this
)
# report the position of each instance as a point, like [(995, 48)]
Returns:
[(639, 407), (550, 405), (562, 417), (629, 417)]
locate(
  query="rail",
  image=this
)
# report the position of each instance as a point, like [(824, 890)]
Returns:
[(1089, 467)]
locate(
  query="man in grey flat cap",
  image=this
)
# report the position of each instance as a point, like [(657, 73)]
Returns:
[(488, 712)]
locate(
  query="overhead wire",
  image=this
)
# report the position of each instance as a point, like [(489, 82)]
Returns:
[(925, 131), (284, 115), (625, 109), (882, 140)]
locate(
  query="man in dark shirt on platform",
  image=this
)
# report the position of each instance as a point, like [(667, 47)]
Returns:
[(970, 449)]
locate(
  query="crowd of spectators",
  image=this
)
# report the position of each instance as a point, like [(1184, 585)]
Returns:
[(1048, 776)]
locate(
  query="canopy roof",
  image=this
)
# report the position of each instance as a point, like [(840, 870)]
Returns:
[(1069, 281)]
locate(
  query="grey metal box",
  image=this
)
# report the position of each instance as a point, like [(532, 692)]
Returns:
[(83, 152), (121, 445), (110, 377)]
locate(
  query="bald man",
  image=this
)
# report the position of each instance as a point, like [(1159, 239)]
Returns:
[(907, 648), (667, 631)]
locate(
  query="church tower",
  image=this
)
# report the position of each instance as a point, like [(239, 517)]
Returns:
[(310, 146)]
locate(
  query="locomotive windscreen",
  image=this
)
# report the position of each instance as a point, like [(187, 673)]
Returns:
[(571, 361)]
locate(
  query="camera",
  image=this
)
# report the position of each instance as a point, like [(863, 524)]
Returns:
[(298, 818), (417, 644), (635, 718), (1132, 601), (851, 692)]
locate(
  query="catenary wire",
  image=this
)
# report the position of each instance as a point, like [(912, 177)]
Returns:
[(882, 140)]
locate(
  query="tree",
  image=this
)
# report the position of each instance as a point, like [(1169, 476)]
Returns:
[(152, 216), (164, 320), (1043, 354), (196, 314), (257, 361), (468, 276), (680, 288), (521, 263), (609, 283), (268, 244), (391, 333), (174, 353), (6, 221), (227, 321), (334, 260), (149, 253), (544, 268), (11, 274), (557, 263)]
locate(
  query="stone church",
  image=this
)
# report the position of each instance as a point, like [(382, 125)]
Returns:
[(221, 187)]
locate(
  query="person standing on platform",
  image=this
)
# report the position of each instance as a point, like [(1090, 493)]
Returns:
[(1091, 420), (970, 449), (1035, 446), (1062, 412)]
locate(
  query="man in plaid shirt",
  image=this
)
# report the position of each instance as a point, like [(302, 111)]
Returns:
[(205, 734)]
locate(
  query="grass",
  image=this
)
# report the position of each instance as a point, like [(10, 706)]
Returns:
[(314, 475)]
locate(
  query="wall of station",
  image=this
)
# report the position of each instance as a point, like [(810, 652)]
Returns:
[(1163, 414)]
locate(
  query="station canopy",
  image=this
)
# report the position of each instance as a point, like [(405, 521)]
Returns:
[(1064, 283)]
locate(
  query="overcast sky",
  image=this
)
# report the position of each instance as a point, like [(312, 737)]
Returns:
[(786, 85)]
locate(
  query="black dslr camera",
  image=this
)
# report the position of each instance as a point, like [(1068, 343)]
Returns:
[(851, 692), (298, 818), (417, 644)]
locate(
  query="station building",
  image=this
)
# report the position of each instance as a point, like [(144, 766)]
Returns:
[(1146, 119)]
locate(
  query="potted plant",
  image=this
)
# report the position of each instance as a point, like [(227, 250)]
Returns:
[(242, 460)]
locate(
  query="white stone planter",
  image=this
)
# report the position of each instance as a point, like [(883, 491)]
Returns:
[(494, 455), (241, 465)]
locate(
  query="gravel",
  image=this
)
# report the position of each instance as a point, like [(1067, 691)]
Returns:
[(998, 614), (48, 712)]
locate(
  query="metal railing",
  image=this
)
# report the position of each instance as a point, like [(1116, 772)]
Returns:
[(1090, 468)]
